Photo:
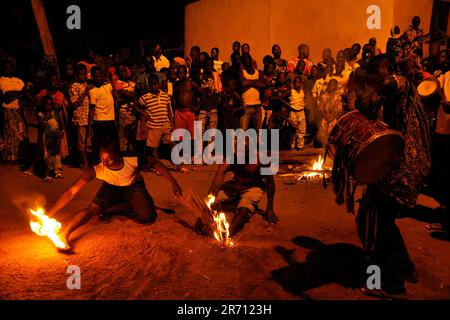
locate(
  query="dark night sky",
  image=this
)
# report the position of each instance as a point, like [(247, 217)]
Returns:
[(105, 25)]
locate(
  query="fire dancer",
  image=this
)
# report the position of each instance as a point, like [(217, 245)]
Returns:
[(246, 188), (122, 183)]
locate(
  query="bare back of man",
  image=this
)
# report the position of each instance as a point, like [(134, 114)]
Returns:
[(247, 174), (247, 188)]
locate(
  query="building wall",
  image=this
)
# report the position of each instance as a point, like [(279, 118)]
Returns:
[(405, 10), (320, 23)]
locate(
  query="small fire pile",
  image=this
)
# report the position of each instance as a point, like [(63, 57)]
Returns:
[(222, 227), (45, 226), (316, 172)]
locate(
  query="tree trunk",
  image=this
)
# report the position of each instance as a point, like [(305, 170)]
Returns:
[(44, 32)]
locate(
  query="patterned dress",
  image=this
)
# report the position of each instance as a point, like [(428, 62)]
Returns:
[(14, 133)]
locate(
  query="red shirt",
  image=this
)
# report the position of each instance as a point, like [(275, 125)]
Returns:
[(58, 97)]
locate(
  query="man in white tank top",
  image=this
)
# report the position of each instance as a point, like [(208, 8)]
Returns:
[(252, 82), (122, 184)]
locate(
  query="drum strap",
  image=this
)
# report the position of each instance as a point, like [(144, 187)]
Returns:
[(344, 186), (367, 218), (350, 193)]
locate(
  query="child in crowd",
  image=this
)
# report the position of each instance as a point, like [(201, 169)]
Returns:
[(50, 121), (55, 90), (330, 109), (232, 104), (126, 94), (297, 114)]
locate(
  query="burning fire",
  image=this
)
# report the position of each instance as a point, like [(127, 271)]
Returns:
[(316, 171), (211, 200), (222, 227), (318, 165), (46, 226)]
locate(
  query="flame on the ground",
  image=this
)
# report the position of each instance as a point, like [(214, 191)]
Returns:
[(316, 170), (221, 225), (45, 226), (318, 165)]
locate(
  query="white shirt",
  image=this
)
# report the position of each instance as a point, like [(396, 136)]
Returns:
[(170, 88), (121, 178), (218, 66), (251, 96), (104, 102), (161, 62), (444, 80), (297, 100), (319, 87), (443, 119), (11, 84)]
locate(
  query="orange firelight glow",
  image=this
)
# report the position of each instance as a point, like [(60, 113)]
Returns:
[(222, 227), (45, 226), (316, 170)]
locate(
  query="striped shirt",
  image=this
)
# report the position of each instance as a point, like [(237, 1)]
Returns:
[(157, 107)]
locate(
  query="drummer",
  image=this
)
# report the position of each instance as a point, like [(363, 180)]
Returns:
[(389, 97)]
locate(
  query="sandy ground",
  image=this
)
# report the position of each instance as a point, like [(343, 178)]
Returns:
[(313, 254)]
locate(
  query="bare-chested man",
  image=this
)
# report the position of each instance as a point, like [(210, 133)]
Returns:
[(243, 192), (184, 91)]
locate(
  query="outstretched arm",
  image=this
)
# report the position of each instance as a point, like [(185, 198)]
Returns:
[(161, 168), (67, 196)]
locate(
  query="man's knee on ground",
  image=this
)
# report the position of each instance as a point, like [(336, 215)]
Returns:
[(145, 214), (146, 217)]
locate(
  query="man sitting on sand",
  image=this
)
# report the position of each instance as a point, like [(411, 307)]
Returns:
[(246, 188), (122, 184)]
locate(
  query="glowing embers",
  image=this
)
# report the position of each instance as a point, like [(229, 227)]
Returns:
[(44, 226), (316, 172), (221, 224)]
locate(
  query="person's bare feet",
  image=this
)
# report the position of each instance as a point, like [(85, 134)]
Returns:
[(273, 219)]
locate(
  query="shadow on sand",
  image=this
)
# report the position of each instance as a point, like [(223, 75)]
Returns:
[(340, 263)]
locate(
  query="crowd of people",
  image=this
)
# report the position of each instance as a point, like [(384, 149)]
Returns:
[(50, 117)]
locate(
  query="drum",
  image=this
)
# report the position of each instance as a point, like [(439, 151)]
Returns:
[(428, 91), (428, 88), (370, 148)]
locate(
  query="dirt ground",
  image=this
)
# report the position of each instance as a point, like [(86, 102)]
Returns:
[(313, 254)]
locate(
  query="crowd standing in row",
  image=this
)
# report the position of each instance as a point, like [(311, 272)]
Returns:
[(140, 104), (98, 100)]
